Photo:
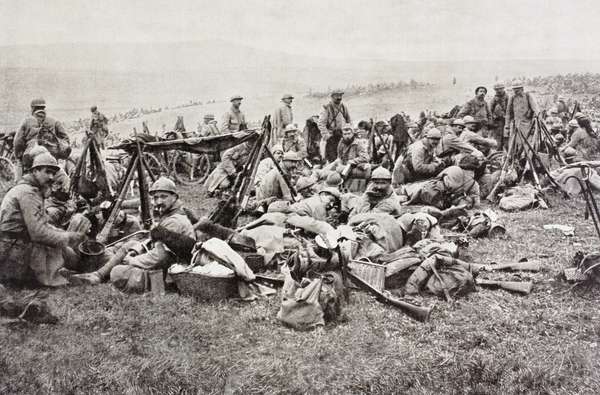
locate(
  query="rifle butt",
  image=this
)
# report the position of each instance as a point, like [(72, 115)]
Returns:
[(418, 313), (533, 266), (522, 287)]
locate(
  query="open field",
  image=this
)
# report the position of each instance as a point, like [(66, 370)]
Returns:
[(486, 343)]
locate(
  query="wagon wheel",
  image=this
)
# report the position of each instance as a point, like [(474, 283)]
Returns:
[(191, 169), (7, 175), (156, 166)]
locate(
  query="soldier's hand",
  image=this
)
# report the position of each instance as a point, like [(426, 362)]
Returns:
[(75, 237)]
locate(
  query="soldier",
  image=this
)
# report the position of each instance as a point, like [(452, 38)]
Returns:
[(474, 138), (352, 156), (125, 262), (520, 110), (571, 128), (318, 206), (30, 248), (478, 108), (292, 142), (332, 118), (273, 184), (266, 165), (98, 127), (379, 147), (40, 129), (498, 110), (420, 161), (379, 196), (553, 121), (234, 119), (223, 176), (584, 139), (282, 117), (208, 127)]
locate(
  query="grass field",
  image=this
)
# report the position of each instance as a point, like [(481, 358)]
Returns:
[(486, 343)]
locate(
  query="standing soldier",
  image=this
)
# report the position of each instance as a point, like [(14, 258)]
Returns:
[(520, 110), (498, 109), (478, 108), (331, 119), (234, 119), (282, 117), (209, 127), (41, 130), (98, 127)]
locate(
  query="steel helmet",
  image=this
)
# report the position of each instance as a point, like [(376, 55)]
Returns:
[(499, 86), (517, 84), (45, 160), (481, 87), (291, 156), (469, 119), (163, 184), (236, 97), (332, 191), (573, 123), (209, 116), (304, 183), (287, 96), (291, 128), (433, 133), (39, 102), (458, 121), (381, 173), (348, 126), (334, 180)]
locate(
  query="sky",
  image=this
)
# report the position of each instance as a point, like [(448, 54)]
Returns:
[(380, 29)]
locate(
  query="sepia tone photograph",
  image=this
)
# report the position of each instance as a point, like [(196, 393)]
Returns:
[(308, 197)]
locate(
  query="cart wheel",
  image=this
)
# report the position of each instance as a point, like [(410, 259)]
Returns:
[(156, 166), (7, 175), (191, 169)]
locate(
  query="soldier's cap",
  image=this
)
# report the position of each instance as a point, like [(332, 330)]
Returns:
[(579, 115), (45, 160), (348, 126), (163, 184), (332, 191), (287, 96), (279, 206), (467, 119), (458, 121), (277, 147), (381, 173), (291, 128), (209, 116), (39, 102), (304, 183), (433, 133), (334, 180), (560, 98), (573, 123), (236, 97), (337, 92), (291, 156), (553, 110), (517, 84), (39, 111), (499, 86), (569, 152), (481, 87), (559, 138)]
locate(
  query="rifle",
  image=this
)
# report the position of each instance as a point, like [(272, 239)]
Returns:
[(513, 266), (116, 206), (285, 176), (523, 287), (418, 313), (511, 147)]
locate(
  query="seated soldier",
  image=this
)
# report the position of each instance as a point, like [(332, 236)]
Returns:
[(420, 161), (124, 225), (353, 158), (291, 142), (130, 260), (318, 206), (273, 185), (266, 165), (232, 161), (379, 196), (471, 136), (30, 248)]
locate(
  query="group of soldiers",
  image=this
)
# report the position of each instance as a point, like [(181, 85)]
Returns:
[(351, 171)]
